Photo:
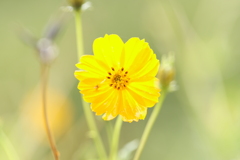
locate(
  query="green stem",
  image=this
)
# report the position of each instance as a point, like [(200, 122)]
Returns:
[(94, 131), (79, 35), (109, 130), (7, 146), (149, 125), (115, 139), (89, 116)]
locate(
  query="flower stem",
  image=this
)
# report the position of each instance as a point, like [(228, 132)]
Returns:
[(79, 35), (109, 130), (115, 139), (45, 71), (89, 116), (149, 125), (93, 128), (7, 146)]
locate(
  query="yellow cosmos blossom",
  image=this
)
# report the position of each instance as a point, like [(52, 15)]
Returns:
[(119, 79)]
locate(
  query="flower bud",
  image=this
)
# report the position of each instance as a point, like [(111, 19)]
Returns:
[(47, 51), (76, 4), (167, 72)]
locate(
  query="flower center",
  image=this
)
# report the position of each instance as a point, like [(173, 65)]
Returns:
[(118, 79)]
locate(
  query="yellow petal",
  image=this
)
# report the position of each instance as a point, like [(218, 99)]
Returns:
[(132, 48), (132, 109), (101, 103), (95, 94), (82, 75), (145, 92), (91, 64), (149, 69), (108, 49)]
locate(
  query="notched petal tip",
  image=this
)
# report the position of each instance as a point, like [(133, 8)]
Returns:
[(136, 39), (111, 36), (129, 120), (136, 118), (108, 117)]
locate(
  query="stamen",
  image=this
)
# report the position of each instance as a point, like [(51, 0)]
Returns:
[(119, 78)]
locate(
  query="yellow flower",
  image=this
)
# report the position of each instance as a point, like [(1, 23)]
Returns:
[(119, 79)]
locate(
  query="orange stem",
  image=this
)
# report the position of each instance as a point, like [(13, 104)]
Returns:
[(44, 77)]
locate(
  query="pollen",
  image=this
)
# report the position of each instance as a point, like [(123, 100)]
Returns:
[(118, 79)]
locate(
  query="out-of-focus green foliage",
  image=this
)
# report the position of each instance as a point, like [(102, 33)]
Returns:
[(200, 121)]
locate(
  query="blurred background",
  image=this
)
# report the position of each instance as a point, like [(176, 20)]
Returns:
[(200, 121)]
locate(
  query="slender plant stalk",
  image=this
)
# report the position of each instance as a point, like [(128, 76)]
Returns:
[(96, 136), (44, 77), (109, 130), (115, 139), (7, 146), (79, 35), (89, 116), (149, 125)]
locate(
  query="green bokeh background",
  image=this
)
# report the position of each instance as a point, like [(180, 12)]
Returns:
[(200, 121)]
